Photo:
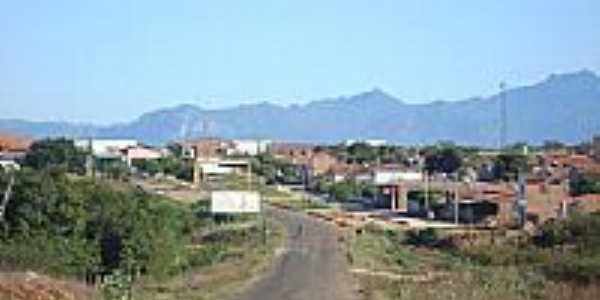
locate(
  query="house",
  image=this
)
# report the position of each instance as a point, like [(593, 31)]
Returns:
[(321, 162), (14, 143), (110, 152), (392, 184), (138, 153), (12, 150), (558, 167), (338, 173), (205, 149), (248, 147), (105, 147), (299, 154), (12, 160)]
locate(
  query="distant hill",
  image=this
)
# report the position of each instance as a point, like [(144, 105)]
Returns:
[(563, 107)]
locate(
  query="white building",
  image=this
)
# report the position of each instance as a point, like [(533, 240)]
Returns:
[(375, 142), (7, 164), (249, 147), (212, 169), (105, 147), (10, 160), (368, 142), (141, 153)]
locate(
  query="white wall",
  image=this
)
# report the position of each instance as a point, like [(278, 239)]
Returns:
[(385, 177), (250, 147), (215, 168)]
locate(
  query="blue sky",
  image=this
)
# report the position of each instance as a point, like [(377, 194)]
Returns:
[(111, 60)]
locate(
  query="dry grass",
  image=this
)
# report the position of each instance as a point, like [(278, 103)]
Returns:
[(27, 286), (387, 269)]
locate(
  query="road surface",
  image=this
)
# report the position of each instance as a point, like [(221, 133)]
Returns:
[(313, 267)]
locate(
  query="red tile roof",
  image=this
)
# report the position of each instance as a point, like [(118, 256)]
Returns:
[(9, 142)]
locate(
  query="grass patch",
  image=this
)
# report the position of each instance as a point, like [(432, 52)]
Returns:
[(219, 266), (391, 268)]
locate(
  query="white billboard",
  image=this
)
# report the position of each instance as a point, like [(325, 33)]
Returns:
[(235, 202)]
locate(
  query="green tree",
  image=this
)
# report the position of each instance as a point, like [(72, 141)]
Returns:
[(584, 184), (508, 166), (59, 152), (361, 153), (75, 226), (552, 145), (445, 159)]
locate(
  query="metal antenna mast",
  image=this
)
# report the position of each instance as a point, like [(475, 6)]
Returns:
[(503, 116)]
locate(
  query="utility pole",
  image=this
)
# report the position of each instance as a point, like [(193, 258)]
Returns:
[(564, 212), (6, 198), (90, 162), (425, 174), (427, 193), (393, 192), (456, 205), (522, 199), (249, 175)]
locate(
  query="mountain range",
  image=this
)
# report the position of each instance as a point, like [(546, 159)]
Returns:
[(562, 107)]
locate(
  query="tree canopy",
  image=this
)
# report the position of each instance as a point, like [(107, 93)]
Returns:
[(59, 152), (59, 224), (445, 159)]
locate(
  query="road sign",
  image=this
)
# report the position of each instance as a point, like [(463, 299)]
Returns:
[(235, 202)]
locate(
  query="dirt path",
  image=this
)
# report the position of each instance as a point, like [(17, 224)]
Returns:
[(312, 266)]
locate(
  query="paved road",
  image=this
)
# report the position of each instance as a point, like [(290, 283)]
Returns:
[(312, 268)]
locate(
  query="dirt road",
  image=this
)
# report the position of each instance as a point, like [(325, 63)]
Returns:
[(312, 267)]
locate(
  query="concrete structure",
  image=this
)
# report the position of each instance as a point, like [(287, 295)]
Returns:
[(393, 183), (384, 177), (213, 169), (392, 196), (469, 211)]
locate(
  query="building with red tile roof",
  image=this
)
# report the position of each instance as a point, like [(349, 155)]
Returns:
[(14, 143)]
